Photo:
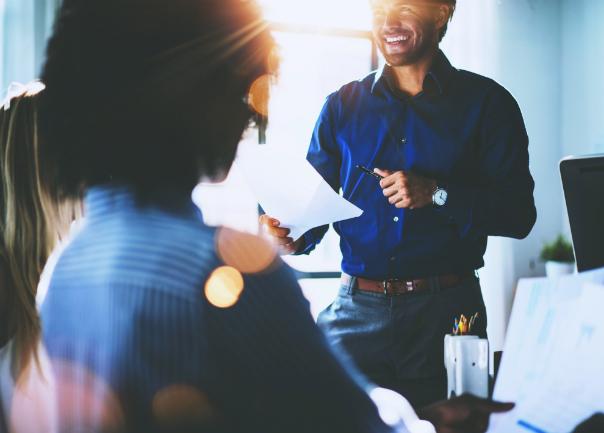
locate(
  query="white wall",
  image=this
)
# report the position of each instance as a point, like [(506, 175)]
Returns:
[(583, 76), (517, 43)]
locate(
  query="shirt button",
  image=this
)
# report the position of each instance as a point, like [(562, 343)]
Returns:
[(392, 259), (395, 219), (404, 140)]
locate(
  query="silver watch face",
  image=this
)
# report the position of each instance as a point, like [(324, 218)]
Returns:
[(440, 197)]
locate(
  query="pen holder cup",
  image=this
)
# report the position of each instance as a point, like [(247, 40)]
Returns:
[(467, 365)]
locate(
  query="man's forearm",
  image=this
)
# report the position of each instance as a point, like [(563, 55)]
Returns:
[(491, 211)]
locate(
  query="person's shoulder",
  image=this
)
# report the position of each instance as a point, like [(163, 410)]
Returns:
[(483, 84), (154, 251), (363, 83), (249, 256), (355, 88), (254, 262), (246, 252), (475, 80), (493, 99)]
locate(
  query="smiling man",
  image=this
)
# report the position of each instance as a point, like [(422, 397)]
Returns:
[(451, 149)]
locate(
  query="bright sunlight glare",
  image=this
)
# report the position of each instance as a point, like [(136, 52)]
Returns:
[(351, 14)]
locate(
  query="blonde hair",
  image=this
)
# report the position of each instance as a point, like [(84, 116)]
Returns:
[(30, 223)]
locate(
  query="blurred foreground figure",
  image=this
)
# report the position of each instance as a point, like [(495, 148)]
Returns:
[(153, 320)]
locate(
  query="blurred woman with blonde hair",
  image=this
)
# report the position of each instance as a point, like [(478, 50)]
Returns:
[(29, 230)]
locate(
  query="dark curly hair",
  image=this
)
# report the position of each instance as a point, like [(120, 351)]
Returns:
[(149, 93)]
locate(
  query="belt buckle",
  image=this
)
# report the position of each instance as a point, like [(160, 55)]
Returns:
[(409, 285), (385, 284)]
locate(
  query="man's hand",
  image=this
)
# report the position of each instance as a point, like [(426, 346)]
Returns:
[(279, 235), (465, 414), (405, 189)]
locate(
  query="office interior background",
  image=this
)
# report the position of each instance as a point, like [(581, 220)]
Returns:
[(548, 53)]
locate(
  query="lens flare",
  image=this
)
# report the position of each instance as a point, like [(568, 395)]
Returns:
[(259, 94), (85, 401), (181, 405), (32, 409), (224, 287), (248, 253)]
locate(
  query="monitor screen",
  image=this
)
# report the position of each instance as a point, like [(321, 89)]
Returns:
[(583, 182)]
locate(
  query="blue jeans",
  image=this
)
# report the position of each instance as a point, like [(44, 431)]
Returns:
[(398, 341)]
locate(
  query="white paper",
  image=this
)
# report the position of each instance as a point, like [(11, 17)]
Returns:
[(290, 190), (553, 358)]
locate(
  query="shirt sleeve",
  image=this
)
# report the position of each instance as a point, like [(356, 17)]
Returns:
[(499, 202), (269, 345), (324, 156)]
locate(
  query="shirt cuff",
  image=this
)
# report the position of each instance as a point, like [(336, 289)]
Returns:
[(308, 243), (395, 411)]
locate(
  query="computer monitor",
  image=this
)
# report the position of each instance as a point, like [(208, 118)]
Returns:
[(583, 183)]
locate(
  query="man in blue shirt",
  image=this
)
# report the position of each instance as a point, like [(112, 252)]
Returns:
[(450, 153)]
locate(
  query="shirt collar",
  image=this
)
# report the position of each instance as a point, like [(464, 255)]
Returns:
[(103, 200), (437, 77)]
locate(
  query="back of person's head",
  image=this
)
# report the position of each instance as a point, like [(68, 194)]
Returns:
[(150, 93), (28, 218)]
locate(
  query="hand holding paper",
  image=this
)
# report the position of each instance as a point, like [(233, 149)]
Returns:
[(292, 191), (280, 235)]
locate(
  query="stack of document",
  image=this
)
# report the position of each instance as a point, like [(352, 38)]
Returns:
[(553, 359)]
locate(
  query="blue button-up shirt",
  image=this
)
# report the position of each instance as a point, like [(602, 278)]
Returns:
[(463, 130)]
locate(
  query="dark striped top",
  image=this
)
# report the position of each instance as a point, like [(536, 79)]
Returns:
[(136, 344)]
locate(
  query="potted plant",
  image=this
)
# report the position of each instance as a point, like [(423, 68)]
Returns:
[(559, 257)]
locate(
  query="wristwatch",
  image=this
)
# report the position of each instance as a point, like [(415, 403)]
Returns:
[(439, 197)]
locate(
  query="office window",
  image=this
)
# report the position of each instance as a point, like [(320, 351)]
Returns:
[(344, 14), (24, 28)]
